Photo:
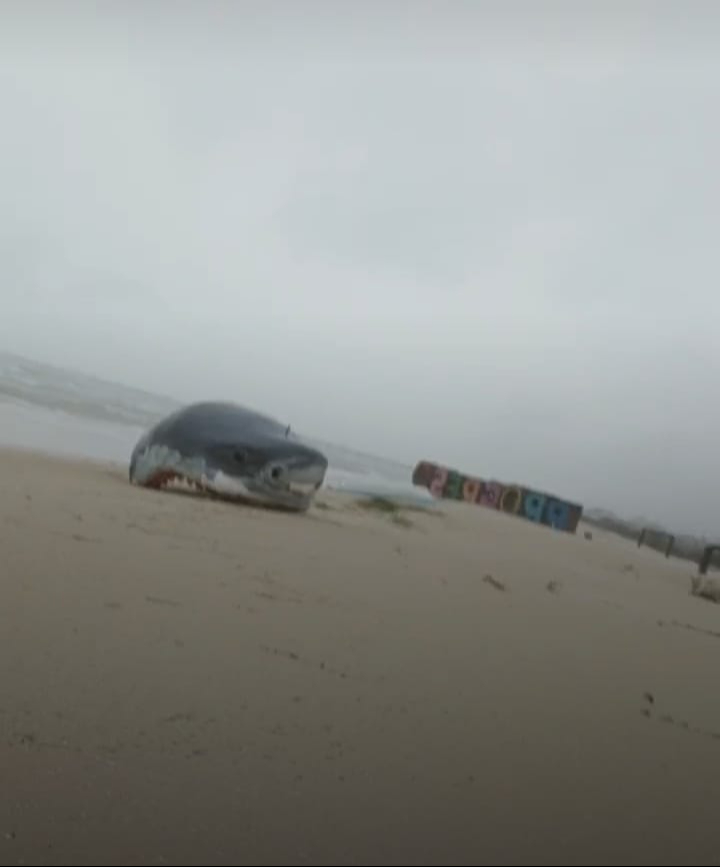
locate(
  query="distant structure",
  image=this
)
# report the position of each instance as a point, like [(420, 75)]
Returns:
[(707, 555), (657, 539), (537, 506)]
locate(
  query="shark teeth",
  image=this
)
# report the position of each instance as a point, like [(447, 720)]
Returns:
[(303, 488)]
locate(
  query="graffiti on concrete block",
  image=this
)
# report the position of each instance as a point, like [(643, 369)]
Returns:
[(537, 506)]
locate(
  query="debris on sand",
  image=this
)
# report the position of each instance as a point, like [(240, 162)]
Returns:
[(388, 507), (493, 582), (705, 588)]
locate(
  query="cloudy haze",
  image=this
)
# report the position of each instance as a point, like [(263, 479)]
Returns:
[(424, 230)]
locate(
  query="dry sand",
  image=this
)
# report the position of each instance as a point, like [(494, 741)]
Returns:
[(190, 682)]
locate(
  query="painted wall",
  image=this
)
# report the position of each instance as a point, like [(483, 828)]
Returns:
[(537, 506)]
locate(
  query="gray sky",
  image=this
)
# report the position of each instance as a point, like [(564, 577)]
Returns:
[(426, 230)]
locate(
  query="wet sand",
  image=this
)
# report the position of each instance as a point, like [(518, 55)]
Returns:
[(191, 682)]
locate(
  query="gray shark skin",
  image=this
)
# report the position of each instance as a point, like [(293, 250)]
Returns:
[(230, 451)]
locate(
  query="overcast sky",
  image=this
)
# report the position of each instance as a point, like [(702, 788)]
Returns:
[(444, 231)]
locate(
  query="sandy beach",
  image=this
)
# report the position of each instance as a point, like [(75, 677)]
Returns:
[(186, 681)]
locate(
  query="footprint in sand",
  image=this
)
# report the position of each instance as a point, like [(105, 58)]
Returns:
[(158, 600), (77, 537), (276, 651), (179, 718), (678, 625)]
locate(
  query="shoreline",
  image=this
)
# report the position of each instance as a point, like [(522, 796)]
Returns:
[(59, 433)]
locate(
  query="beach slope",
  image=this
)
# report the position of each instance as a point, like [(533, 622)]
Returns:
[(186, 681)]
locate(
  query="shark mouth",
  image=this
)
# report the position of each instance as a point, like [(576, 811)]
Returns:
[(303, 489), (281, 486), (232, 488)]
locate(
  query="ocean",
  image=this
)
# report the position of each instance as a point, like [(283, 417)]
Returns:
[(71, 414)]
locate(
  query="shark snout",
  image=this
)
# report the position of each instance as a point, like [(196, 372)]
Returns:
[(303, 473)]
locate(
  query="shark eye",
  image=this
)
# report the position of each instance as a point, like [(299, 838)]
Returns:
[(276, 472), (240, 455)]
